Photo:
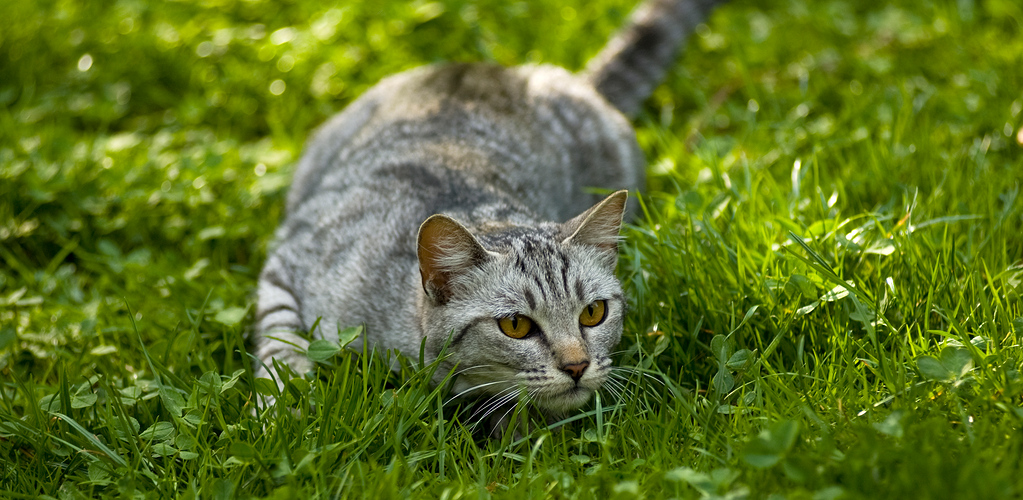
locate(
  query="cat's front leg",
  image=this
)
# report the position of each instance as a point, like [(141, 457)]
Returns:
[(278, 324)]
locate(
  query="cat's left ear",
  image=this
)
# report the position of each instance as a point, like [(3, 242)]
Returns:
[(599, 226), (446, 249)]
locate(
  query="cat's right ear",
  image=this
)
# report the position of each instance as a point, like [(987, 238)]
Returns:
[(599, 226), (445, 249)]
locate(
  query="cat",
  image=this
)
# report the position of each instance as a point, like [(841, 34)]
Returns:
[(430, 211)]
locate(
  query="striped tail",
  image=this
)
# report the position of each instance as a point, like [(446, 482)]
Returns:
[(632, 64)]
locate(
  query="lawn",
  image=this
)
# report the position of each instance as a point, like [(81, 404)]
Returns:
[(825, 282)]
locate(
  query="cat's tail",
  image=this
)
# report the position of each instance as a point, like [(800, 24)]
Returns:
[(634, 61)]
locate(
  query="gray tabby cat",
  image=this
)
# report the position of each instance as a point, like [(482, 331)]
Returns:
[(423, 211)]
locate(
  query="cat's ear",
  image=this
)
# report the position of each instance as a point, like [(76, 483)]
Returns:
[(599, 226), (446, 249)]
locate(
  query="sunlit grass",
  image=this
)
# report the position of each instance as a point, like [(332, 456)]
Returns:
[(824, 282)]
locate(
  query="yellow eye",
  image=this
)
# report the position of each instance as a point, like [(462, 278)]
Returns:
[(593, 315), (516, 327)]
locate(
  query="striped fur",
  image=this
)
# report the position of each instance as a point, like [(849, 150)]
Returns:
[(487, 156), (629, 67)]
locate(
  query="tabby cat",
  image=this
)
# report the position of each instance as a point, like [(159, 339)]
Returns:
[(423, 212)]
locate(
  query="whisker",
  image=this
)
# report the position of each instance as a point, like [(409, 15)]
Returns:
[(630, 381), (473, 388), (617, 374), (511, 408), (609, 387), (495, 397), (623, 389), (484, 403), (621, 379), (494, 402), (463, 370), (611, 382), (624, 381), (500, 403), (636, 370)]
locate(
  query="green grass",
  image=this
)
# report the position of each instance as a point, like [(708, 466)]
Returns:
[(825, 283)]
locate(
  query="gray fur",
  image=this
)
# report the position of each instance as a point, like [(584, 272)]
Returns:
[(629, 67), (498, 153)]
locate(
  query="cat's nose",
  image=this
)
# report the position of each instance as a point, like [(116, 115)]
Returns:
[(575, 370)]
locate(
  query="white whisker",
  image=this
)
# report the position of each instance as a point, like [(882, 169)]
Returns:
[(611, 389), (494, 402), (612, 383), (463, 370), (636, 370), (623, 389), (525, 400), (494, 407), (619, 376), (473, 388)]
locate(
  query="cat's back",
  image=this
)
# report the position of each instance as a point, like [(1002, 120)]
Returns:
[(538, 134)]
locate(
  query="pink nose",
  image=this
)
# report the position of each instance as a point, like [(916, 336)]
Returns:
[(575, 370)]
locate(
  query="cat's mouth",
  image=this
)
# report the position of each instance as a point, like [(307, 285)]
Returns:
[(571, 398)]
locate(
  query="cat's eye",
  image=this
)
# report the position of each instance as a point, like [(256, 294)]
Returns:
[(593, 314), (516, 327)]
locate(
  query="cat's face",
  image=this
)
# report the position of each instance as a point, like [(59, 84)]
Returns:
[(533, 311)]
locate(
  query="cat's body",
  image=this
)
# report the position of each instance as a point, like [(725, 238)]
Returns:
[(499, 152)]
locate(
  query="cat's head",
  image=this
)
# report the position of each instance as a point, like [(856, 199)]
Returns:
[(525, 310)]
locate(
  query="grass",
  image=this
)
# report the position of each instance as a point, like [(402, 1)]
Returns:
[(825, 282)]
